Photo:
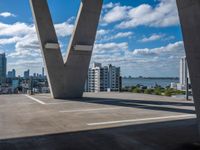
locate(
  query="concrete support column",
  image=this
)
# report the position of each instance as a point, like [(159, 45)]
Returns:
[(67, 77), (189, 12)]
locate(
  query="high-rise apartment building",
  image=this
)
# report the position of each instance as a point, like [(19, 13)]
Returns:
[(105, 78), (184, 73), (3, 66), (114, 78)]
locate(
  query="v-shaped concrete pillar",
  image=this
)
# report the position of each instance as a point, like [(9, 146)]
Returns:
[(189, 12), (67, 77)]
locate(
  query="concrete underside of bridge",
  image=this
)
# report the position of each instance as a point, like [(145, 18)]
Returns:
[(67, 77), (189, 12)]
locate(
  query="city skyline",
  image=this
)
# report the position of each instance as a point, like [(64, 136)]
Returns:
[(140, 47), (30, 73)]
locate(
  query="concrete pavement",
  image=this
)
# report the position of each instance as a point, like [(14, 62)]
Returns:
[(98, 121)]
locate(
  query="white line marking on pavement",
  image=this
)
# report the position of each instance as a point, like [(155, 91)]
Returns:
[(88, 110), (35, 99), (137, 120)]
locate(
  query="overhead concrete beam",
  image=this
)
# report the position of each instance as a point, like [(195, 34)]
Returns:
[(189, 12), (67, 77)]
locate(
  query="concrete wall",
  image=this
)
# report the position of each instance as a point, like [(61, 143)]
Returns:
[(67, 77), (189, 12)]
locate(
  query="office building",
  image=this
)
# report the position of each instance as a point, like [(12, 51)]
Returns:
[(27, 74), (105, 78), (11, 74), (3, 65)]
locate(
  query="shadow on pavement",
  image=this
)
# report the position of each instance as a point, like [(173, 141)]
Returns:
[(145, 104), (170, 135)]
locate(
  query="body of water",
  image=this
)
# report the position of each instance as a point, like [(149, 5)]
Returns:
[(149, 82)]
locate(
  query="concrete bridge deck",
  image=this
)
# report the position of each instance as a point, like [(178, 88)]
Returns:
[(98, 121)]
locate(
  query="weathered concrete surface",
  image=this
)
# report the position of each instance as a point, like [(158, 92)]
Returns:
[(26, 123), (189, 12), (172, 135), (67, 77)]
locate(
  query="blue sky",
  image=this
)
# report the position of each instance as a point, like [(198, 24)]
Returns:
[(143, 37)]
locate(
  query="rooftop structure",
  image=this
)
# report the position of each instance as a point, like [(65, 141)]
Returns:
[(101, 121)]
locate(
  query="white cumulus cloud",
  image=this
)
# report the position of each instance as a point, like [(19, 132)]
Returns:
[(164, 14), (153, 37), (172, 48), (6, 14), (116, 14), (24, 37)]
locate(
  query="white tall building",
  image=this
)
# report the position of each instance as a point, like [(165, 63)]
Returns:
[(184, 73), (105, 78)]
